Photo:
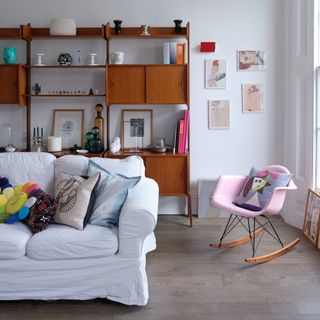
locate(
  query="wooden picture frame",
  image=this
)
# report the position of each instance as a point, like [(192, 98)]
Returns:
[(68, 124), (311, 218), (136, 129)]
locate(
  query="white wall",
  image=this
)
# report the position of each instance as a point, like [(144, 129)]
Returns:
[(253, 139)]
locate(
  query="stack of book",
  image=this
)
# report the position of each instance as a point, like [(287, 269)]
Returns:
[(181, 129), (175, 53)]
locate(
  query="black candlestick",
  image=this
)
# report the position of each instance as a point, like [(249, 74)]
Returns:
[(117, 26), (177, 28)]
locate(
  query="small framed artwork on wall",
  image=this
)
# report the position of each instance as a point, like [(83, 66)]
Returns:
[(68, 124), (311, 218), (136, 129), (215, 74), (219, 115), (252, 98), (251, 60)]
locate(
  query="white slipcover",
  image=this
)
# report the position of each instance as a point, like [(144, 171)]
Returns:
[(64, 242), (120, 277)]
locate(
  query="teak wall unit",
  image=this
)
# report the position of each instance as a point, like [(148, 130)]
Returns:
[(125, 84), (153, 84)]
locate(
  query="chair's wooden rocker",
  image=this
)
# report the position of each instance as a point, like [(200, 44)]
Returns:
[(227, 189)]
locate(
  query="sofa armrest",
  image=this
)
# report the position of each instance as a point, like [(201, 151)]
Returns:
[(138, 217)]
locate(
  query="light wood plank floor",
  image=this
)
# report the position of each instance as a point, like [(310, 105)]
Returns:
[(188, 280)]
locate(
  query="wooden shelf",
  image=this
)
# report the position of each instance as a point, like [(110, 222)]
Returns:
[(10, 33), (123, 65), (155, 33), (66, 67), (146, 153), (29, 33), (64, 95)]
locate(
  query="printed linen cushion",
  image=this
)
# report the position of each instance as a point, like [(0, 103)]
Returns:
[(42, 212), (74, 197), (258, 188), (111, 193)]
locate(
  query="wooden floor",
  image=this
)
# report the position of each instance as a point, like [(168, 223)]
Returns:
[(188, 280)]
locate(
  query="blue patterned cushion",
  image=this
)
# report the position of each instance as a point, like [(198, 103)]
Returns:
[(258, 188), (111, 193)]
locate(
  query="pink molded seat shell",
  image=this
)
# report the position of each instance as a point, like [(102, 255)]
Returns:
[(229, 186)]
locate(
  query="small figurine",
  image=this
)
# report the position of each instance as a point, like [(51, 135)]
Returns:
[(115, 145)]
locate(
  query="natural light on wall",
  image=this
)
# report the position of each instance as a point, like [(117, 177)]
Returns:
[(317, 91)]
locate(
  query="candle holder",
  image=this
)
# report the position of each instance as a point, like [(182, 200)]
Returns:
[(145, 32), (177, 28), (92, 59), (39, 59), (117, 26)]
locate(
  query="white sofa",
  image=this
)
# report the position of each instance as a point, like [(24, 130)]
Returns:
[(64, 263)]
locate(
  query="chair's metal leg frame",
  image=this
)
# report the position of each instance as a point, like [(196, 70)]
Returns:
[(230, 226)]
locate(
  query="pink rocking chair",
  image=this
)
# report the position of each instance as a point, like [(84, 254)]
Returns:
[(227, 189)]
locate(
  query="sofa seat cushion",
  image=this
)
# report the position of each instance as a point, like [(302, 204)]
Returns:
[(64, 242), (13, 240)]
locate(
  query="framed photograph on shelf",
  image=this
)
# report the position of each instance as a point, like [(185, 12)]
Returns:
[(311, 218), (215, 74), (136, 129), (252, 98), (219, 114), (251, 60), (68, 124)]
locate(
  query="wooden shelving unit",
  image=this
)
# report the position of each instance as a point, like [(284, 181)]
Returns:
[(149, 84)]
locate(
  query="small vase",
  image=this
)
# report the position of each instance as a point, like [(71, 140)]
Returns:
[(9, 55), (177, 28)]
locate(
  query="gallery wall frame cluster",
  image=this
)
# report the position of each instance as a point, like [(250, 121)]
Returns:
[(252, 93)]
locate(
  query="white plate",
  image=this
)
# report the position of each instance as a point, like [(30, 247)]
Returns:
[(82, 151)]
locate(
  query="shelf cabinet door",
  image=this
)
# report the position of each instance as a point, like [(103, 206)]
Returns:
[(12, 84), (166, 84), (169, 172), (126, 84)]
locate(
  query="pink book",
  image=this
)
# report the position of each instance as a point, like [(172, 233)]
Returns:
[(185, 131), (180, 136)]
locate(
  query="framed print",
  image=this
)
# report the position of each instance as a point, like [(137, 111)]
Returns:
[(219, 117), (251, 60), (68, 124), (136, 129), (311, 219), (252, 98), (215, 74)]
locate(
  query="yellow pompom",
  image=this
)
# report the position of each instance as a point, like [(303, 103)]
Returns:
[(16, 203), (8, 192), (3, 200), (18, 188)]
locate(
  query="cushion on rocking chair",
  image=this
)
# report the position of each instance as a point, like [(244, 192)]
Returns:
[(258, 188)]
